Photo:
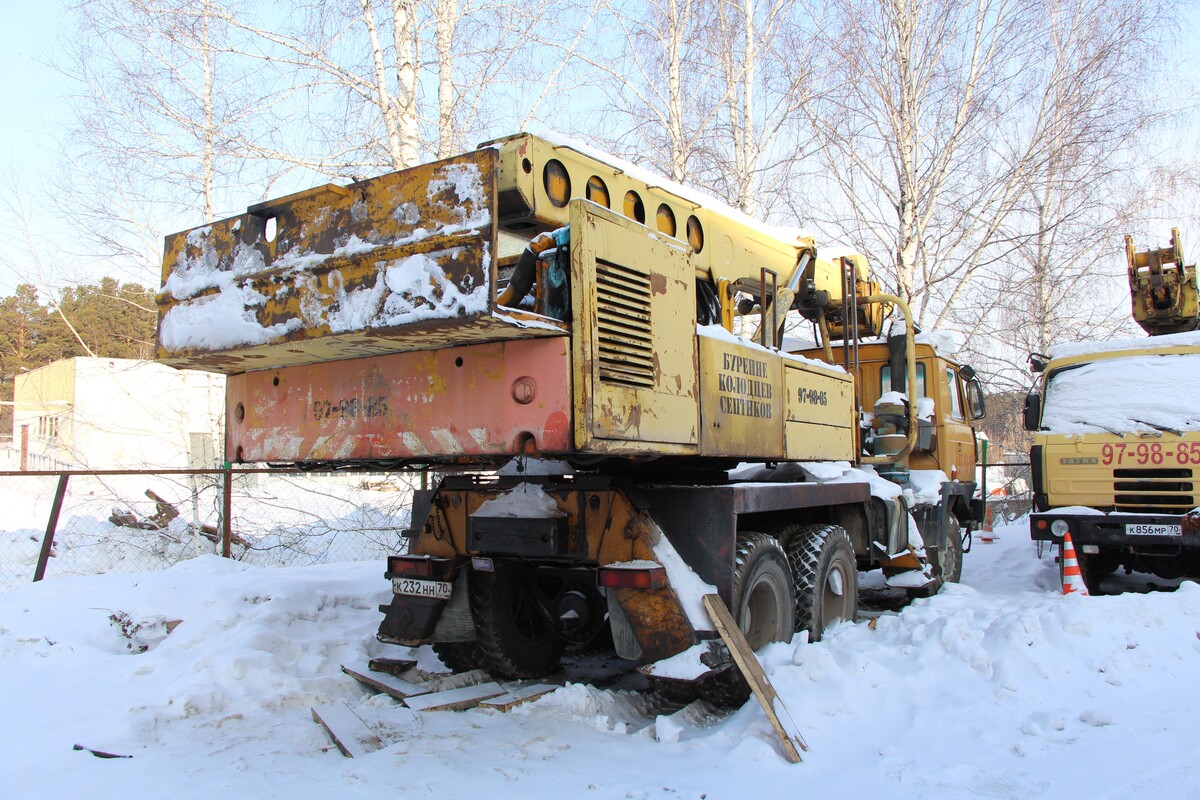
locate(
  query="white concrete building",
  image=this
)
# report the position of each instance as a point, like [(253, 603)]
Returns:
[(118, 413)]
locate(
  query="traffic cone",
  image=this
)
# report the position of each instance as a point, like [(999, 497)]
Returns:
[(1072, 578), (986, 535)]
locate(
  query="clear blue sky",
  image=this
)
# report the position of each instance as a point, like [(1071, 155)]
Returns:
[(30, 94), (32, 109)]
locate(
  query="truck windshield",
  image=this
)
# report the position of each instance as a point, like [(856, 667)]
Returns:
[(1134, 393)]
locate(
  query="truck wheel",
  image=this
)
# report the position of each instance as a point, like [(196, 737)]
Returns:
[(764, 606), (947, 563), (825, 575), (458, 656), (764, 603), (515, 641)]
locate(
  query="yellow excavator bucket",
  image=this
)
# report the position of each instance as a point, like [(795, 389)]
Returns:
[(1162, 289)]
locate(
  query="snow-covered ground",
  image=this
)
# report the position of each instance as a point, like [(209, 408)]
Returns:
[(998, 688)]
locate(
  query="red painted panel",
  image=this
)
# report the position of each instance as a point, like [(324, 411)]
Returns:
[(481, 399)]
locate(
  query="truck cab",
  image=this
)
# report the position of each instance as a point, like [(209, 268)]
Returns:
[(1116, 461)]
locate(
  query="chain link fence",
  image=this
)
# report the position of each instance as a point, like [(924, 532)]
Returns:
[(142, 521), (139, 521)]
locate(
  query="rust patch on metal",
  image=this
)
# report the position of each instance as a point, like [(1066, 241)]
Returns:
[(658, 621)]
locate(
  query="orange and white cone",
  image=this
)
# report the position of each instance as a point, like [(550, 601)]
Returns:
[(1072, 578)]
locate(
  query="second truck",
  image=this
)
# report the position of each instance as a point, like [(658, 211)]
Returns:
[(585, 353), (1116, 460)]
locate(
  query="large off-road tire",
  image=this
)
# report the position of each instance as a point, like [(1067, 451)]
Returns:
[(514, 639), (825, 577), (946, 562), (764, 603), (764, 607), (458, 656)]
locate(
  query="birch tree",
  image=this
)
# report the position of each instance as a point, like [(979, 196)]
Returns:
[(914, 89), (762, 49), (661, 81), (162, 114), (962, 136), (1063, 276), (389, 84)]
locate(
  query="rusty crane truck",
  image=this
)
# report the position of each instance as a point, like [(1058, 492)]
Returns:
[(616, 340)]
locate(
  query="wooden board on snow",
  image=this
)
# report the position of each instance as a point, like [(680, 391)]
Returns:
[(455, 699), (348, 732), (747, 662), (392, 666), (458, 680), (516, 695), (388, 684)]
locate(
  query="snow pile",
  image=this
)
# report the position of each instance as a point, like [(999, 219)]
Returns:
[(926, 484), (523, 501), (819, 471), (999, 687), (219, 321), (1134, 393), (688, 586), (945, 343)]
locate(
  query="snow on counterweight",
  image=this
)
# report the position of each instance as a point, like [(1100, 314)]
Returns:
[(334, 263)]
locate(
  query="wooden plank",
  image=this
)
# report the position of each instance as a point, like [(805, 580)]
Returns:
[(747, 662), (392, 666), (348, 732), (516, 695), (458, 680), (455, 699), (388, 684)]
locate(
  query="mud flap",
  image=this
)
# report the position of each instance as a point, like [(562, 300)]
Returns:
[(648, 625)]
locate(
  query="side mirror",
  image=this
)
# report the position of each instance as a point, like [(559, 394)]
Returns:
[(1033, 411), (975, 403)]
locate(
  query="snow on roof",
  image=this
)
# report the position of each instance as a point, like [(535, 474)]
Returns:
[(1071, 349), (945, 343), (787, 234), (1153, 393), (717, 331)]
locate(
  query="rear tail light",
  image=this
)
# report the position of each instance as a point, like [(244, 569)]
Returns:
[(429, 567), (633, 575)]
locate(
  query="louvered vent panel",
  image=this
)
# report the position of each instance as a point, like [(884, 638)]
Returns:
[(624, 344), (1154, 491)]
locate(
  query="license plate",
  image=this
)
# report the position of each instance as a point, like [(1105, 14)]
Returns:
[(1153, 530), (439, 590)]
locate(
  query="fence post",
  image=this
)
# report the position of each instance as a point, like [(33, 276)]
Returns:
[(51, 526), (226, 515)]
